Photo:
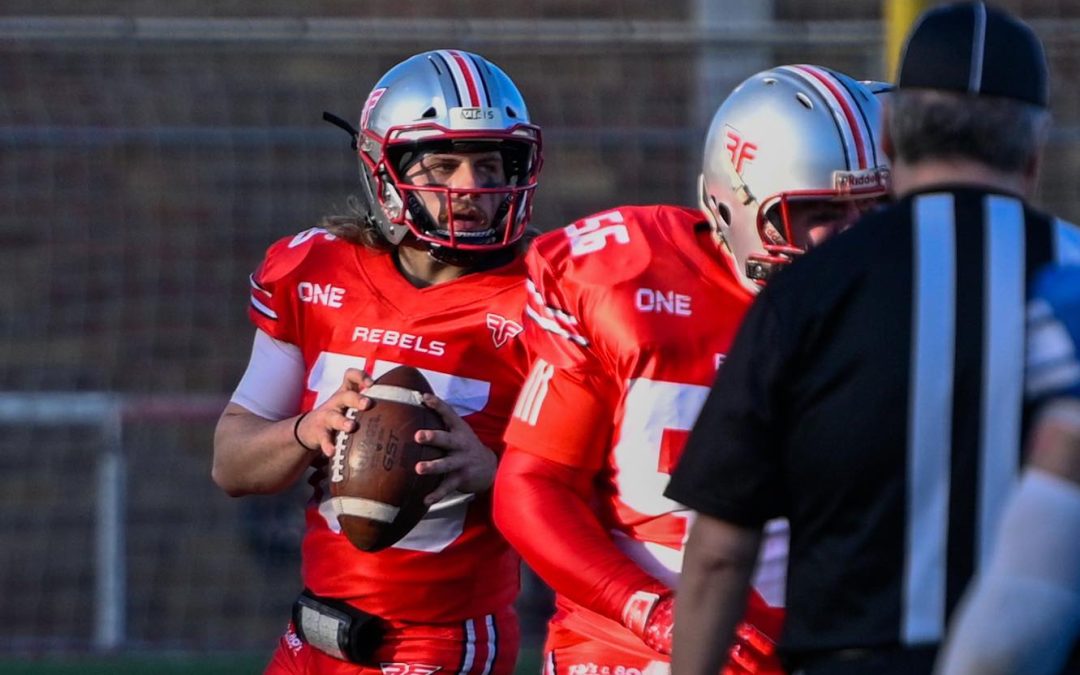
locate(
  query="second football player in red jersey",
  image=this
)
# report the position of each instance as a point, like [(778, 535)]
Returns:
[(429, 274), (629, 316)]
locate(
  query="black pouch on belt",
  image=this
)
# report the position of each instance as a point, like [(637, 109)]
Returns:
[(336, 628)]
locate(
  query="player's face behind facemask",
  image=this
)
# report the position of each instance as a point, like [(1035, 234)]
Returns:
[(462, 195), (798, 225)]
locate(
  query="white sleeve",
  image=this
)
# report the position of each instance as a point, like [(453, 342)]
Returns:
[(274, 380), (1022, 614)]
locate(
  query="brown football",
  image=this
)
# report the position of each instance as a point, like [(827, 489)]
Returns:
[(374, 488)]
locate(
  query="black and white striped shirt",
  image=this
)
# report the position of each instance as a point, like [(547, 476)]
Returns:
[(875, 397)]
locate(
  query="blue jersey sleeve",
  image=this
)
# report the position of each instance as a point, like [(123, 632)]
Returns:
[(1053, 334)]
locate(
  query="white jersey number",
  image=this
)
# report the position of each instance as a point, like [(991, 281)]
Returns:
[(645, 458), (652, 410), (593, 234)]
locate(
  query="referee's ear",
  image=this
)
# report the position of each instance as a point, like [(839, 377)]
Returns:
[(1031, 171)]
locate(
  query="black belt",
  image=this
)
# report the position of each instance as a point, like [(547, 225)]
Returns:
[(336, 628)]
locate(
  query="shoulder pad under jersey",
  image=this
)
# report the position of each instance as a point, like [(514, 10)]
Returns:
[(608, 247), (287, 253), (573, 268)]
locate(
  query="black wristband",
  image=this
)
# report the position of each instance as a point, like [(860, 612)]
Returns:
[(296, 432)]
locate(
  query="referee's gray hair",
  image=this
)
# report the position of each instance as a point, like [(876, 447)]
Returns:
[(999, 132)]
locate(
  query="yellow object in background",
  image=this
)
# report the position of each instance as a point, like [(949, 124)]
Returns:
[(898, 15)]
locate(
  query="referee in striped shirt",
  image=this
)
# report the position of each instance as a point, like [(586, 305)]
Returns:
[(874, 394)]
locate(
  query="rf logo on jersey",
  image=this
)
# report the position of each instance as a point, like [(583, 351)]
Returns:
[(502, 329)]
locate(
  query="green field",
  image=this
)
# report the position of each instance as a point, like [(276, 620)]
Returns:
[(528, 664)]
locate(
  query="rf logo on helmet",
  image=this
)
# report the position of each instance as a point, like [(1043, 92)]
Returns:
[(741, 151), (372, 101)]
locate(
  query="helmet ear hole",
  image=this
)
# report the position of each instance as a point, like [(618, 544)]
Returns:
[(722, 210), (710, 205)]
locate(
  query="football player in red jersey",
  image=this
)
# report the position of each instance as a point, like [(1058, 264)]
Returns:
[(629, 316), (428, 272)]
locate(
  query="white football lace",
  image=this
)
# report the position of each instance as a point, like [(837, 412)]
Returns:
[(389, 392)]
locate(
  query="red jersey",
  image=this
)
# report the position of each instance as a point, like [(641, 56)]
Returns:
[(346, 306), (629, 316)]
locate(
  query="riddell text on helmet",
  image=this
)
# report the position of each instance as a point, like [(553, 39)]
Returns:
[(846, 181), (395, 338)]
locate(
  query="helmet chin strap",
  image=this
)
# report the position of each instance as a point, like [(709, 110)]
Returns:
[(458, 258), (452, 256), (419, 214)]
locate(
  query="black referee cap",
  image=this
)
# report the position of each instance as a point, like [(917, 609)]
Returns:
[(978, 49)]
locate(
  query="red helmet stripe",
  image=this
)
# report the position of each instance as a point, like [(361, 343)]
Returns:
[(846, 106), (465, 77)]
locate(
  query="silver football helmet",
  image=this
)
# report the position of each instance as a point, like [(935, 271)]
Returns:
[(787, 133), (446, 101)]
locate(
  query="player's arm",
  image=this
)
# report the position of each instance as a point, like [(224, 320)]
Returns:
[(258, 446), (254, 455), (542, 501), (1022, 612), (541, 507)]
